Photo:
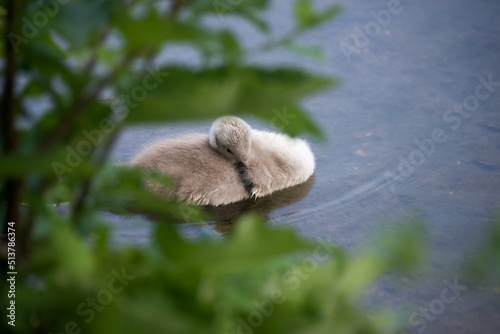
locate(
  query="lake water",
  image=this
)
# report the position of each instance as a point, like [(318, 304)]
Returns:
[(414, 102)]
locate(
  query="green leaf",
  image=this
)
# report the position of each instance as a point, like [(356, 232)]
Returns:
[(80, 22), (252, 245), (304, 13), (312, 52), (254, 241), (33, 88), (59, 193), (121, 190), (17, 165), (269, 94), (403, 249), (307, 17), (152, 31), (359, 274), (329, 13), (484, 265), (171, 244), (70, 251)]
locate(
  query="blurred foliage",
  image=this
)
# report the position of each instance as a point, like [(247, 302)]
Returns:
[(73, 74), (258, 279), (483, 266)]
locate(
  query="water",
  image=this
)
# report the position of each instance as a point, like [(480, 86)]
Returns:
[(397, 91)]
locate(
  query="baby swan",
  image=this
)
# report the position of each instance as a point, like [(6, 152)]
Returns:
[(234, 162)]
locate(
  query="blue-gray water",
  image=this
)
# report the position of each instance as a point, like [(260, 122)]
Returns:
[(406, 83)]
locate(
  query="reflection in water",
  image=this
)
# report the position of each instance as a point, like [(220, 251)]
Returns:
[(222, 217), (225, 216)]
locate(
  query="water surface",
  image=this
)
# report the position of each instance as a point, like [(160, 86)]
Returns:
[(409, 83)]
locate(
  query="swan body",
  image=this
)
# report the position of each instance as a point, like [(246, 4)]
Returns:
[(232, 163)]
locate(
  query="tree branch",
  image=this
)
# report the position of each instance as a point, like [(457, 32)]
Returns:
[(100, 158), (8, 113), (79, 107), (12, 191)]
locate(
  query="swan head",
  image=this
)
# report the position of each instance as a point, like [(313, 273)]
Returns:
[(231, 137)]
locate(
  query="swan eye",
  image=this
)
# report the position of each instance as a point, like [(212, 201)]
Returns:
[(229, 151)]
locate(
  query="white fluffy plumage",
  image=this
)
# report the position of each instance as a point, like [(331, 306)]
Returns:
[(233, 162)]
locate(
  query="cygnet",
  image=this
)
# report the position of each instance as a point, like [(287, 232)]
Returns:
[(232, 163)]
